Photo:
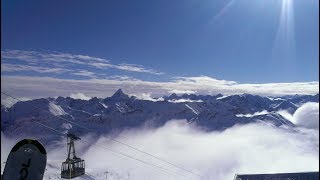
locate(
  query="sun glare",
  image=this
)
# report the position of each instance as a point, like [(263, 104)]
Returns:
[(284, 46)]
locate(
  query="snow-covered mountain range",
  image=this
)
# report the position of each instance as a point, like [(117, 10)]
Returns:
[(120, 111)]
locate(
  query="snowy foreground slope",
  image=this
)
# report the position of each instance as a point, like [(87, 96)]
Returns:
[(216, 136)]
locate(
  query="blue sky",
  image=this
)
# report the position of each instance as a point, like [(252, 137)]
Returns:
[(241, 41)]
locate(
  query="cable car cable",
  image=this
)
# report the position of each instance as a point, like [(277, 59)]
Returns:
[(115, 140), (121, 153), (125, 144)]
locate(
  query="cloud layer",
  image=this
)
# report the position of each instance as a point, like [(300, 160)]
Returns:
[(305, 116), (34, 74), (253, 148), (80, 96), (33, 87)]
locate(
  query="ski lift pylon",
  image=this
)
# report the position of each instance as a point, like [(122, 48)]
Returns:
[(73, 166)]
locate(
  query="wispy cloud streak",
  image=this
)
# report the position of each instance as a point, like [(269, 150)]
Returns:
[(5, 67), (85, 74), (66, 60)]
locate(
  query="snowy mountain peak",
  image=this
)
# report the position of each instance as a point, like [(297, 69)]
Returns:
[(119, 94), (173, 96)]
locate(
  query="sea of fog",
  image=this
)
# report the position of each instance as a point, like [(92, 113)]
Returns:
[(216, 155)]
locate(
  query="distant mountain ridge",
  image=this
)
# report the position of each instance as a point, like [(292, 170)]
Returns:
[(120, 111)]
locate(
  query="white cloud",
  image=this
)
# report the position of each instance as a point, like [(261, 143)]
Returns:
[(127, 67), (122, 78), (64, 62), (287, 115), (80, 96), (208, 85), (85, 73), (5, 67), (213, 155), (184, 100), (182, 91), (306, 115), (24, 86), (204, 80), (254, 114), (137, 68), (222, 97), (147, 96), (102, 65), (222, 11), (252, 148), (32, 57)]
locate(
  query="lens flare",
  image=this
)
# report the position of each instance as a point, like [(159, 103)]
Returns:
[(223, 10), (284, 45)]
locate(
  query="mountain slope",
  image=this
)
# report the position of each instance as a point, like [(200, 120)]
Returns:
[(119, 112)]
